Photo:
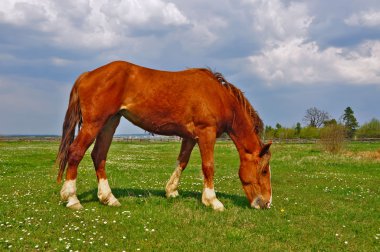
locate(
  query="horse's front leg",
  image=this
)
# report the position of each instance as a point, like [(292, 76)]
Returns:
[(183, 158), (206, 142)]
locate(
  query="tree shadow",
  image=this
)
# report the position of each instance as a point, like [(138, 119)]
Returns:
[(91, 195)]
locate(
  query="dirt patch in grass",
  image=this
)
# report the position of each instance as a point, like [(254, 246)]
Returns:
[(372, 155)]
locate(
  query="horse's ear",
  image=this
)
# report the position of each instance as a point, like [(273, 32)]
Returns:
[(265, 149)]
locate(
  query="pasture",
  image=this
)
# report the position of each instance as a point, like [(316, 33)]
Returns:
[(321, 202)]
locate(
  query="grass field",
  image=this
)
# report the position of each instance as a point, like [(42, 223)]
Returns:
[(321, 202)]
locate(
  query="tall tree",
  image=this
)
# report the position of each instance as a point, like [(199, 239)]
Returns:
[(330, 122), (315, 117), (298, 128), (350, 122)]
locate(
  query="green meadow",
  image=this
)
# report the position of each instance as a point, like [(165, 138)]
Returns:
[(321, 202)]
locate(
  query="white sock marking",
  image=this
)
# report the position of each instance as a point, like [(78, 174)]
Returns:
[(172, 185), (103, 189), (105, 195), (209, 198), (68, 193), (209, 194), (68, 189)]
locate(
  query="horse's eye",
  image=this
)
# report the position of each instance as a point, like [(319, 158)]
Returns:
[(265, 172)]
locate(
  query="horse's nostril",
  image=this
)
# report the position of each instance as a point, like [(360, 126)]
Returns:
[(267, 205)]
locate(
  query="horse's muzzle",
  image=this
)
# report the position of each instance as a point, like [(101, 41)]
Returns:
[(260, 203)]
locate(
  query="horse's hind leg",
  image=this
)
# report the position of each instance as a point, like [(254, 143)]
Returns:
[(76, 152), (183, 158), (99, 156)]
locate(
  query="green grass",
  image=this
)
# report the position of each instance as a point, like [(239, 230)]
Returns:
[(321, 202)]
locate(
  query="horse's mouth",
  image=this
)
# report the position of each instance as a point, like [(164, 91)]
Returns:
[(259, 203)]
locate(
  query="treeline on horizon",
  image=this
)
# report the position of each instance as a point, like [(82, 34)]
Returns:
[(317, 122)]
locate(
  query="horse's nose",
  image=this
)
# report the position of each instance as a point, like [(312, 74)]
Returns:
[(267, 205)]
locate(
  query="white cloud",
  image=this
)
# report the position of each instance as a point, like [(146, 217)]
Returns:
[(275, 21), (302, 62), (290, 56), (172, 15), (90, 23), (134, 12), (22, 12), (369, 18)]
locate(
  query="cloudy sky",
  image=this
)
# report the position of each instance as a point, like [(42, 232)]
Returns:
[(287, 56)]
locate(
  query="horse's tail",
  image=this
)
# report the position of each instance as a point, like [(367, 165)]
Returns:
[(73, 118)]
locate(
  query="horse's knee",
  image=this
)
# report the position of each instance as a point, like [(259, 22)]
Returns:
[(208, 166)]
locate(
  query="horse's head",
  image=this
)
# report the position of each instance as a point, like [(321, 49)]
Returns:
[(255, 176)]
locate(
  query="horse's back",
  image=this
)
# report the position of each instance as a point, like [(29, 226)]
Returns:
[(162, 102), (167, 99)]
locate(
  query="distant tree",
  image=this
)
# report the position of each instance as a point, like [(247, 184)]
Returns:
[(309, 133), (330, 122), (278, 126), (268, 128), (269, 132), (369, 129), (350, 122), (298, 129), (287, 133), (315, 117)]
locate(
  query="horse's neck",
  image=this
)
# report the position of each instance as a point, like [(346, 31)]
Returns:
[(243, 134)]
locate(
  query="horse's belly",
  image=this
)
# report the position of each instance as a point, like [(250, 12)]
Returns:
[(161, 125)]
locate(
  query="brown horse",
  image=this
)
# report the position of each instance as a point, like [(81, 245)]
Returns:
[(196, 104)]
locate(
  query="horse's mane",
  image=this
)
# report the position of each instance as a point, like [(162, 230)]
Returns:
[(239, 95)]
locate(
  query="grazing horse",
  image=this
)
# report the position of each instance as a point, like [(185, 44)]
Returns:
[(195, 104)]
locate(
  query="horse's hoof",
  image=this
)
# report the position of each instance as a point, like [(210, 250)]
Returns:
[(74, 203), (114, 203), (172, 194), (217, 206), (77, 206), (110, 200)]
